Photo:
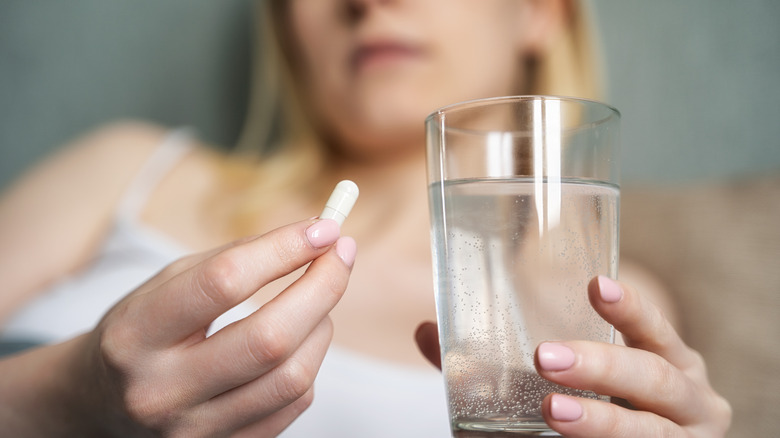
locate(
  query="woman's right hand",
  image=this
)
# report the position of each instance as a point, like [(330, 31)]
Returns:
[(148, 366)]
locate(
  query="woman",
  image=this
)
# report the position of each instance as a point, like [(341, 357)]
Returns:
[(357, 79)]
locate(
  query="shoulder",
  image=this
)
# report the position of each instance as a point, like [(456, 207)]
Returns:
[(112, 147), (91, 172), (106, 160), (115, 156), (96, 163), (54, 217)]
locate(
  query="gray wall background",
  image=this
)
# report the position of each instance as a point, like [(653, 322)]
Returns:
[(70, 66), (696, 81)]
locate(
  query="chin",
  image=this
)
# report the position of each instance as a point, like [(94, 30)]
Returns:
[(381, 121), (399, 102), (383, 142)]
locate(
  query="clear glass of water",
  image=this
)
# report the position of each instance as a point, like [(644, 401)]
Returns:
[(524, 203)]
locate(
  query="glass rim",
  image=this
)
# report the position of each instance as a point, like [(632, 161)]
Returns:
[(613, 112)]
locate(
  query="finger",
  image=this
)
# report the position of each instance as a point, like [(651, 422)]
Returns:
[(184, 263), (584, 418), (190, 301), (641, 323), (427, 338), (269, 336), (122, 340), (643, 378), (275, 390), (279, 421)]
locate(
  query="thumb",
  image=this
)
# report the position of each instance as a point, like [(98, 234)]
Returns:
[(427, 337)]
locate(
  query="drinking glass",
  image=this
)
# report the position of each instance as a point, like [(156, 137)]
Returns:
[(524, 203)]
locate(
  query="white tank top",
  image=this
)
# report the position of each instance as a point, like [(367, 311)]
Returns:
[(355, 395)]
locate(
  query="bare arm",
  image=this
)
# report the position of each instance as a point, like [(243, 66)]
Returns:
[(52, 219)]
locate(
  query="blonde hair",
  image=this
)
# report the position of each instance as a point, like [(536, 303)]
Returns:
[(571, 65), (280, 145)]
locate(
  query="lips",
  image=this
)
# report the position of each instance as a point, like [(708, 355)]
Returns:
[(383, 53)]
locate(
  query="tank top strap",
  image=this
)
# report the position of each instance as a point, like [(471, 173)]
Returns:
[(174, 146)]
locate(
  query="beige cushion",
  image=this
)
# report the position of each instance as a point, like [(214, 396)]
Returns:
[(716, 246)]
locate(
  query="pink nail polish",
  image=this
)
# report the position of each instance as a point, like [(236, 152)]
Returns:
[(346, 248), (555, 357), (609, 290), (564, 408), (323, 233)]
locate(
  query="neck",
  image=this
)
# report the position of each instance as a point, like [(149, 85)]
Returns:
[(388, 174)]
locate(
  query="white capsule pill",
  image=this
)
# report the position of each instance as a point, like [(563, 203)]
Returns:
[(341, 201)]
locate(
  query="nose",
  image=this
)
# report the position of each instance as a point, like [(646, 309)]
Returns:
[(357, 9)]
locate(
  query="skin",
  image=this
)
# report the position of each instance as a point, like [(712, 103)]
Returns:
[(673, 397), (149, 369), (367, 67), (147, 366)]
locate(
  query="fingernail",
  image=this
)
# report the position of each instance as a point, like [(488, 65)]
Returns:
[(323, 233), (555, 357), (610, 291), (564, 408), (346, 248)]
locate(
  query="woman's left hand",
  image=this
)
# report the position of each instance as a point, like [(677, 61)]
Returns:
[(656, 372)]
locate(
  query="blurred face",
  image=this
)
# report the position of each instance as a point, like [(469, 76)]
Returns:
[(372, 70)]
